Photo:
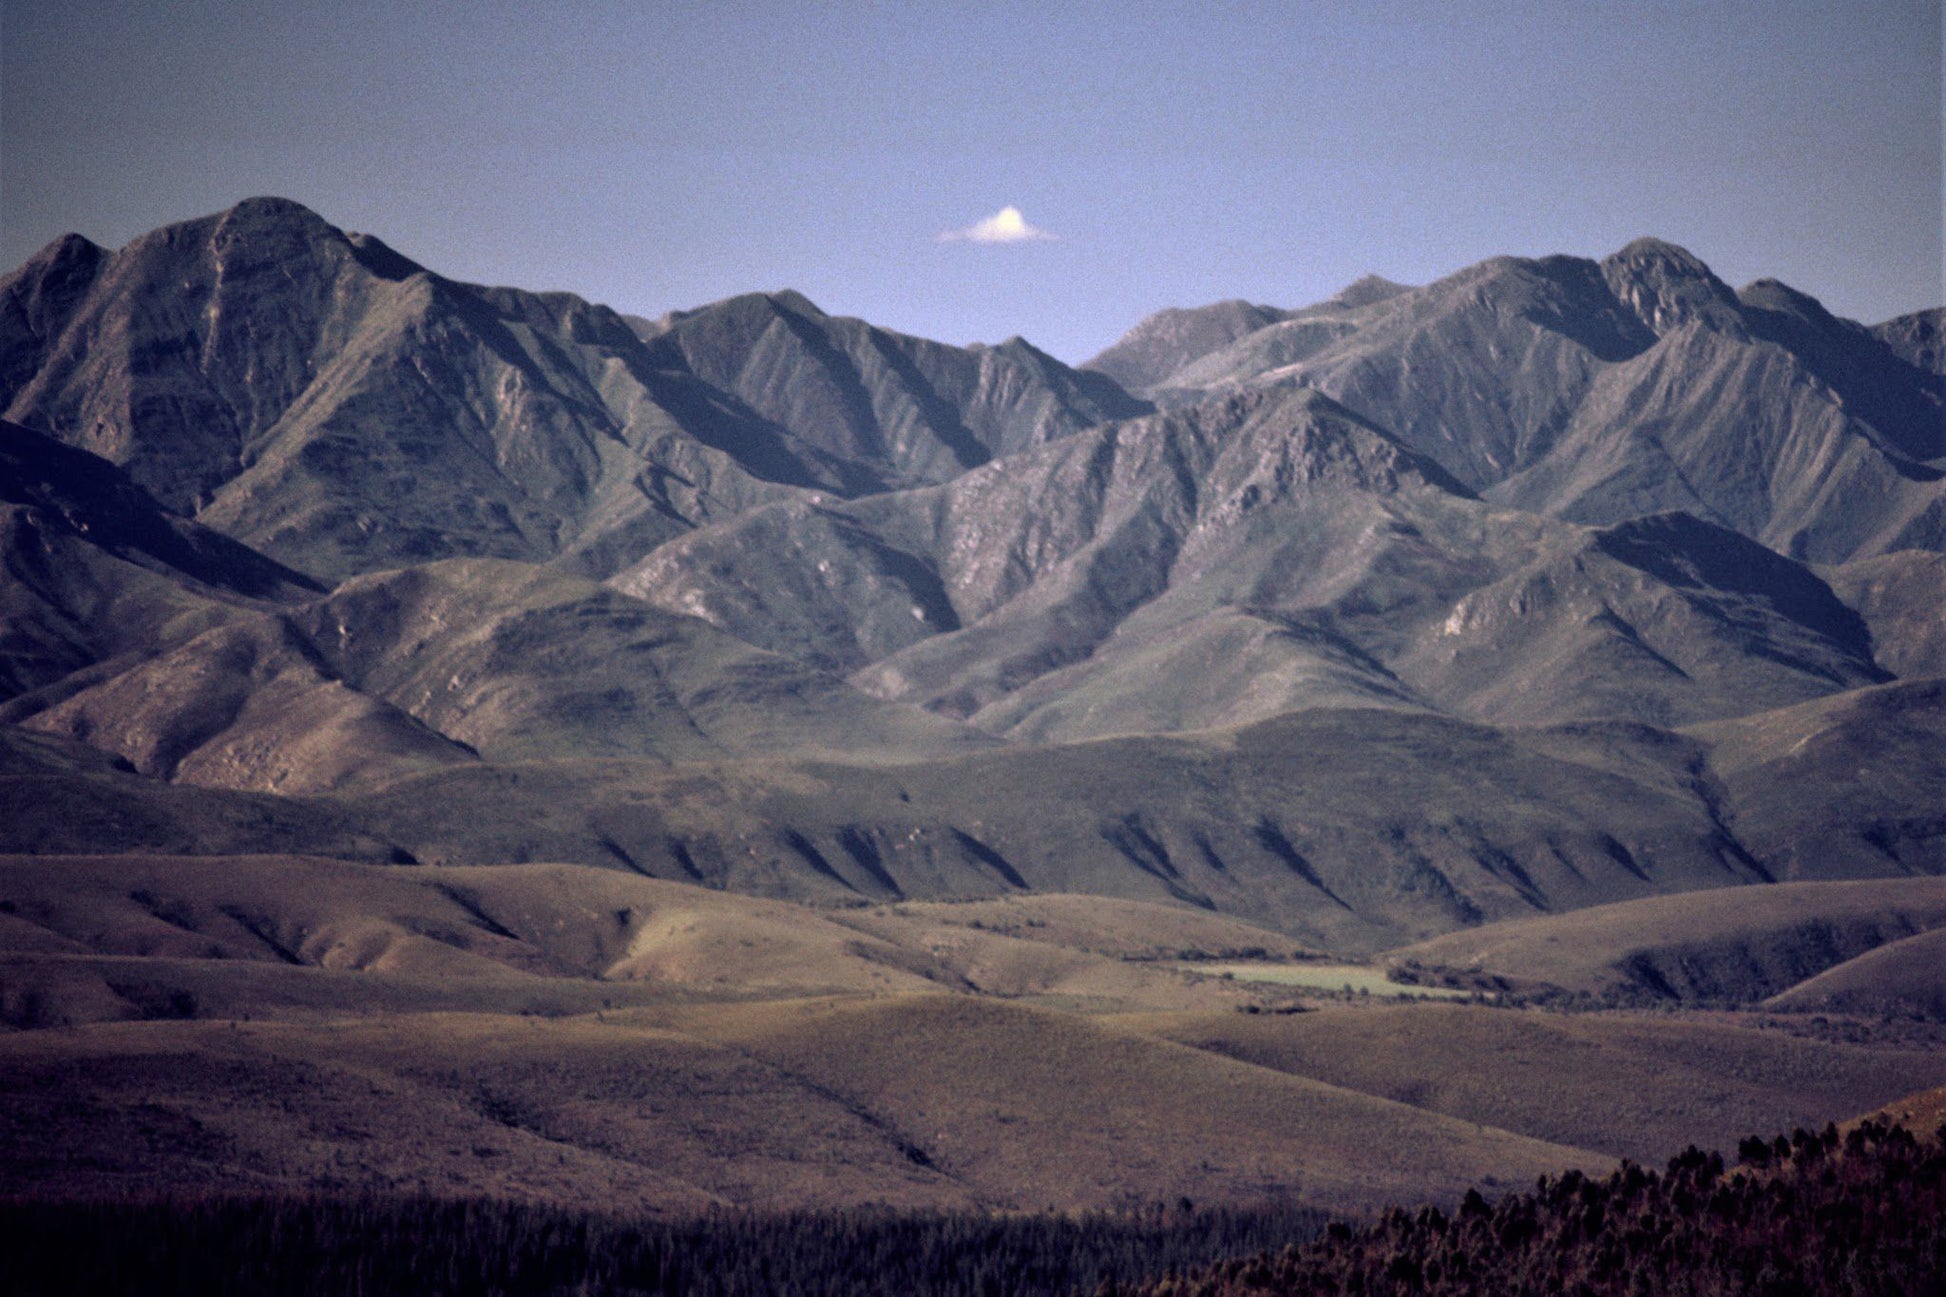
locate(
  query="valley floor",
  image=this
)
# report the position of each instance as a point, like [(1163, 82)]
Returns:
[(451, 1032)]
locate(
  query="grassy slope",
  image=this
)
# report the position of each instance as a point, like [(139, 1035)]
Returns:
[(1921, 1111), (1036, 1107), (562, 1032), (1634, 1086), (927, 1100), (90, 938), (1901, 977)]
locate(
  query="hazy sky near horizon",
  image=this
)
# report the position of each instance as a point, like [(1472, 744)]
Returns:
[(662, 155)]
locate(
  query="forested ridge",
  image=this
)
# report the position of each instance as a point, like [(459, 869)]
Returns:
[(294, 1246), (1860, 1213)]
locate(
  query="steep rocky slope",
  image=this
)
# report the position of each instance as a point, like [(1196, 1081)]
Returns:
[(195, 659), (1146, 356), (1600, 391), (99, 576), (886, 409), (323, 398), (1246, 557)]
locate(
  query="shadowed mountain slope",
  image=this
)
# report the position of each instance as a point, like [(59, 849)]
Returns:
[(1917, 339), (59, 796), (197, 660), (1902, 597), (154, 638), (1736, 946), (1850, 786), (75, 492), (1905, 977), (100, 579)]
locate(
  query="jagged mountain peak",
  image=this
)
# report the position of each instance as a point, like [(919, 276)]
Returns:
[(749, 307), (1366, 290), (1165, 342), (267, 223), (254, 230), (1599, 390), (785, 301), (1668, 286), (175, 354), (789, 299), (35, 302), (1019, 348), (1774, 295), (742, 311), (1919, 339), (293, 384), (68, 250), (898, 410), (271, 208), (1671, 258)]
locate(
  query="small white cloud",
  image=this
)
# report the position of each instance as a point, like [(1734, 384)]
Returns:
[(1005, 226)]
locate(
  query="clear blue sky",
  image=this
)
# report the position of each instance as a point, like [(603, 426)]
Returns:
[(662, 155)]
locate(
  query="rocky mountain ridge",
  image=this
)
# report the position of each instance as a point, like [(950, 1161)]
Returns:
[(1600, 391), (325, 399)]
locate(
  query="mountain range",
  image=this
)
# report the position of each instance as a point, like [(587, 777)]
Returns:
[(1555, 584), (288, 513)]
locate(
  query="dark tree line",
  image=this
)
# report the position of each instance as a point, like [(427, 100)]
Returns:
[(1815, 1213), (295, 1246), (1862, 1214)]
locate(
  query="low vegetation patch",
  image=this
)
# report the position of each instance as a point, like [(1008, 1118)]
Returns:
[(1347, 979)]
